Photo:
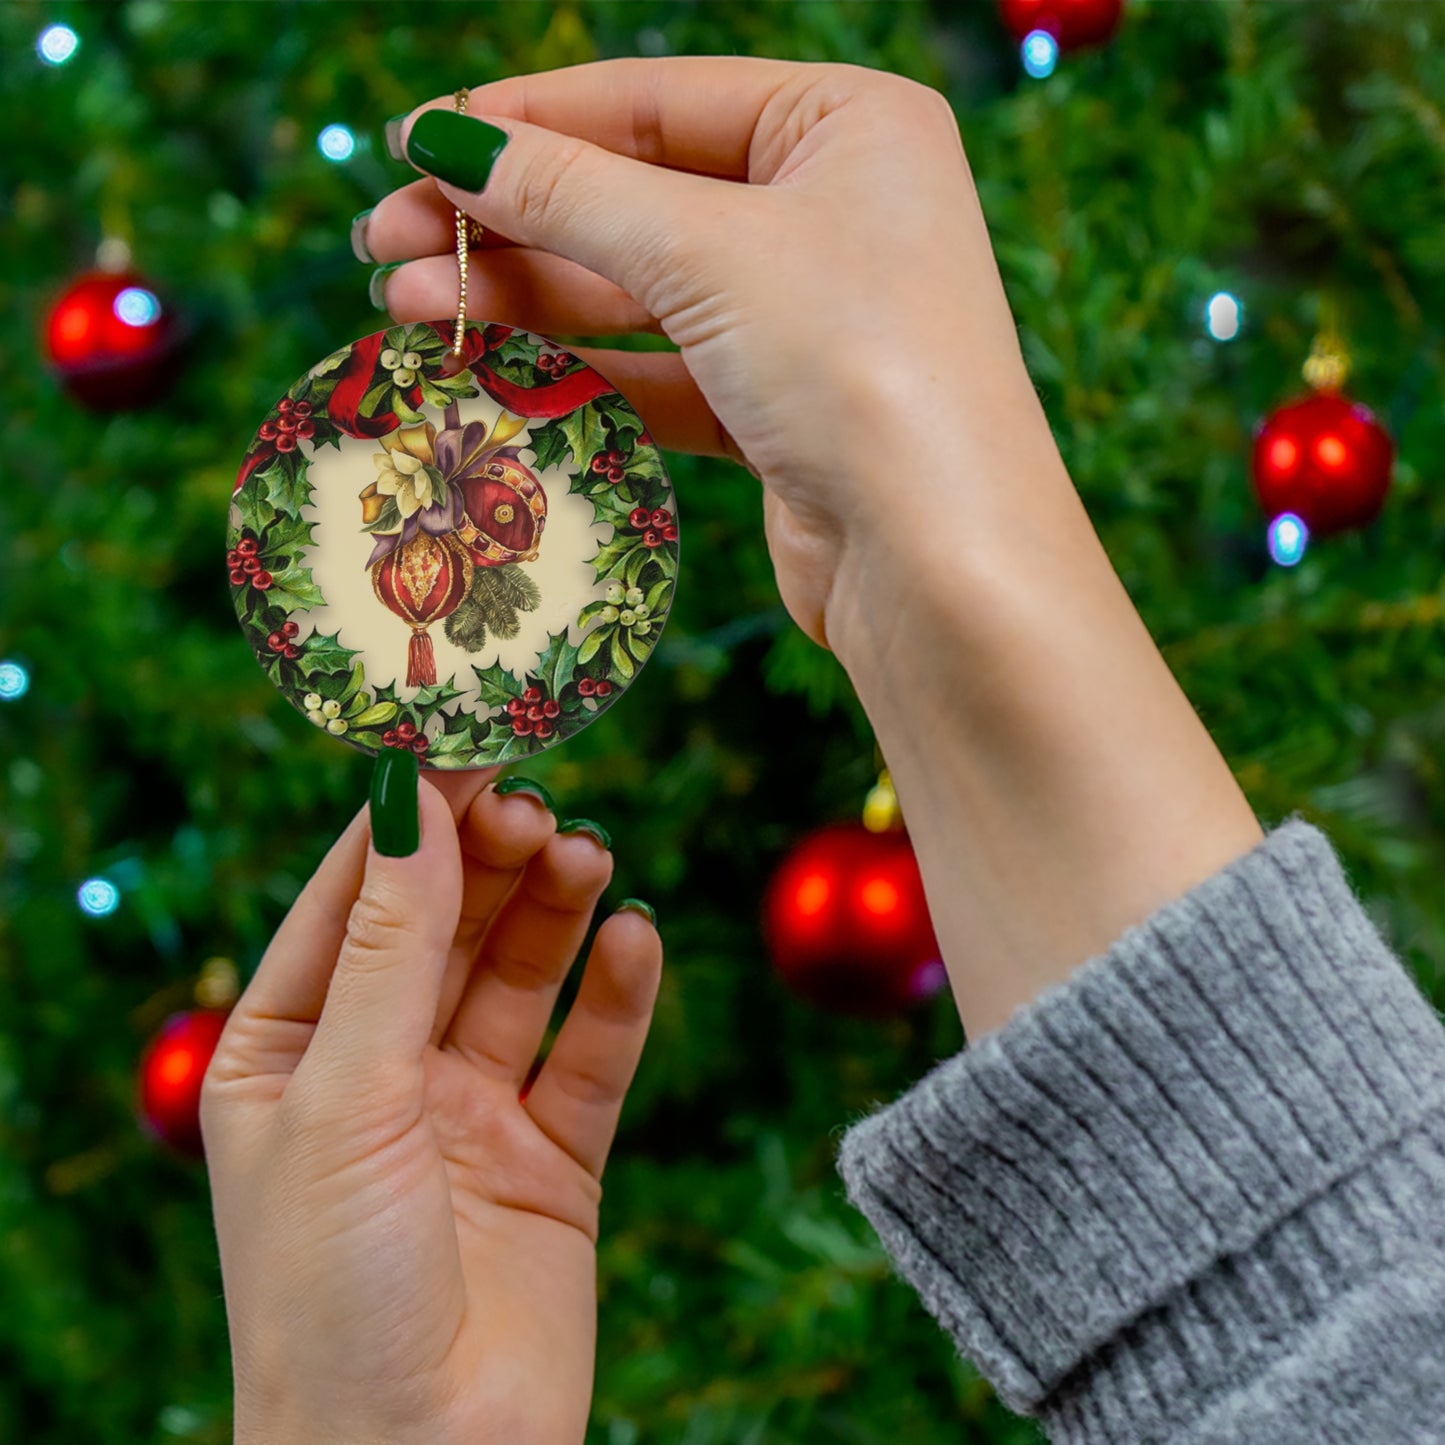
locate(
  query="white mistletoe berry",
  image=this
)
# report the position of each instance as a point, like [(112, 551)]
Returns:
[(628, 617), (411, 361), (316, 716), (634, 596), (615, 593), (642, 629), (313, 701), (608, 614), (403, 377), (337, 726), (390, 358), (642, 610), (331, 707)]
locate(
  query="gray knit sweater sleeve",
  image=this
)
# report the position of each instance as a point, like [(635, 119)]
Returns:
[(1196, 1192)]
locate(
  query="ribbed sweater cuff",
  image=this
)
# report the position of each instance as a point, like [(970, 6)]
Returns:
[(1141, 1166)]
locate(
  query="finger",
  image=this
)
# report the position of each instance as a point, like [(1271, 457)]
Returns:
[(696, 113), (416, 220), (382, 998), (504, 1010), (627, 221), (500, 835), (460, 787), (577, 1098), (532, 289)]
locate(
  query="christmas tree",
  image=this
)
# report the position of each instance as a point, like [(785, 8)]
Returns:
[(1179, 213)]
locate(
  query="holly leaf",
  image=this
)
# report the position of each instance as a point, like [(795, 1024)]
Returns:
[(293, 590), (322, 653), (584, 432), (286, 537), (435, 695), (625, 424), (256, 510), (287, 489), (612, 556), (451, 744), (515, 348), (549, 443), (609, 505), (555, 664), (496, 685)]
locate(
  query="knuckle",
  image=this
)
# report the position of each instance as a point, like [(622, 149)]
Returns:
[(374, 934), (543, 187)]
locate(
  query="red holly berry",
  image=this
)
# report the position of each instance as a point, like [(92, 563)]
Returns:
[(285, 443), (285, 406), (276, 642), (600, 462), (266, 431), (291, 650), (534, 713), (542, 730), (669, 533), (545, 363), (261, 581), (640, 517), (616, 474), (660, 518), (615, 459), (251, 564), (651, 538), (521, 726), (603, 687), (286, 426), (406, 731), (289, 629), (586, 686), (237, 577), (389, 738), (306, 429), (562, 360), (233, 558), (550, 709), (516, 707), (302, 408), (532, 694), (247, 547), (419, 745)]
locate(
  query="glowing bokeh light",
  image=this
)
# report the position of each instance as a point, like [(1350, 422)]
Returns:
[(1331, 451), (1223, 316), (137, 307), (57, 44), (1040, 53), (98, 897), (336, 143), (14, 681), (879, 896), (1288, 537), (177, 1066), (812, 895), (1283, 454)]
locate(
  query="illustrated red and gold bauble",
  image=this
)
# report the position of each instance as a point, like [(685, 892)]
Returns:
[(847, 923), (469, 560), (112, 341), (172, 1070), (1073, 23), (1324, 458)]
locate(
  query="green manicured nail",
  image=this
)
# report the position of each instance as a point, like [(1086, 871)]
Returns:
[(455, 148), (532, 789), (395, 825), (636, 905), (586, 825), (358, 237), (392, 132), (376, 289)]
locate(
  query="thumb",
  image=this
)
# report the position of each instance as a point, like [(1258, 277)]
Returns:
[(633, 223), (382, 999)]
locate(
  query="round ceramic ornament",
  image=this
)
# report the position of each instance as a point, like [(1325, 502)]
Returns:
[(469, 553)]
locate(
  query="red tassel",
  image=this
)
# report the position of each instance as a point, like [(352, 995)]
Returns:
[(421, 661)]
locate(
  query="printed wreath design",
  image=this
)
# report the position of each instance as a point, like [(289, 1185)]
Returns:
[(456, 515)]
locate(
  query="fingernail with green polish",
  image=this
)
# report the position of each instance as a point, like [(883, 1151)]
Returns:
[(586, 825), (359, 247), (395, 826), (393, 137), (376, 288), (514, 784), (455, 148), (636, 905)]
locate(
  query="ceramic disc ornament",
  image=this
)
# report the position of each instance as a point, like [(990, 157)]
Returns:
[(472, 564)]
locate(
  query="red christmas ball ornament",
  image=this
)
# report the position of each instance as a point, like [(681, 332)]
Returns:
[(847, 923), (1073, 23), (1326, 459), (112, 341), (171, 1071)]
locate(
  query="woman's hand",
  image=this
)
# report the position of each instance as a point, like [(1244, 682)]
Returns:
[(407, 1246), (833, 314)]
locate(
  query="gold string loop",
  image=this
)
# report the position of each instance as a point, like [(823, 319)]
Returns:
[(469, 233)]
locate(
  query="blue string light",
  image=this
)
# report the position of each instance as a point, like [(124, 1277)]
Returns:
[(1288, 537), (137, 307), (57, 44), (98, 897), (336, 143), (1040, 53), (14, 681)]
